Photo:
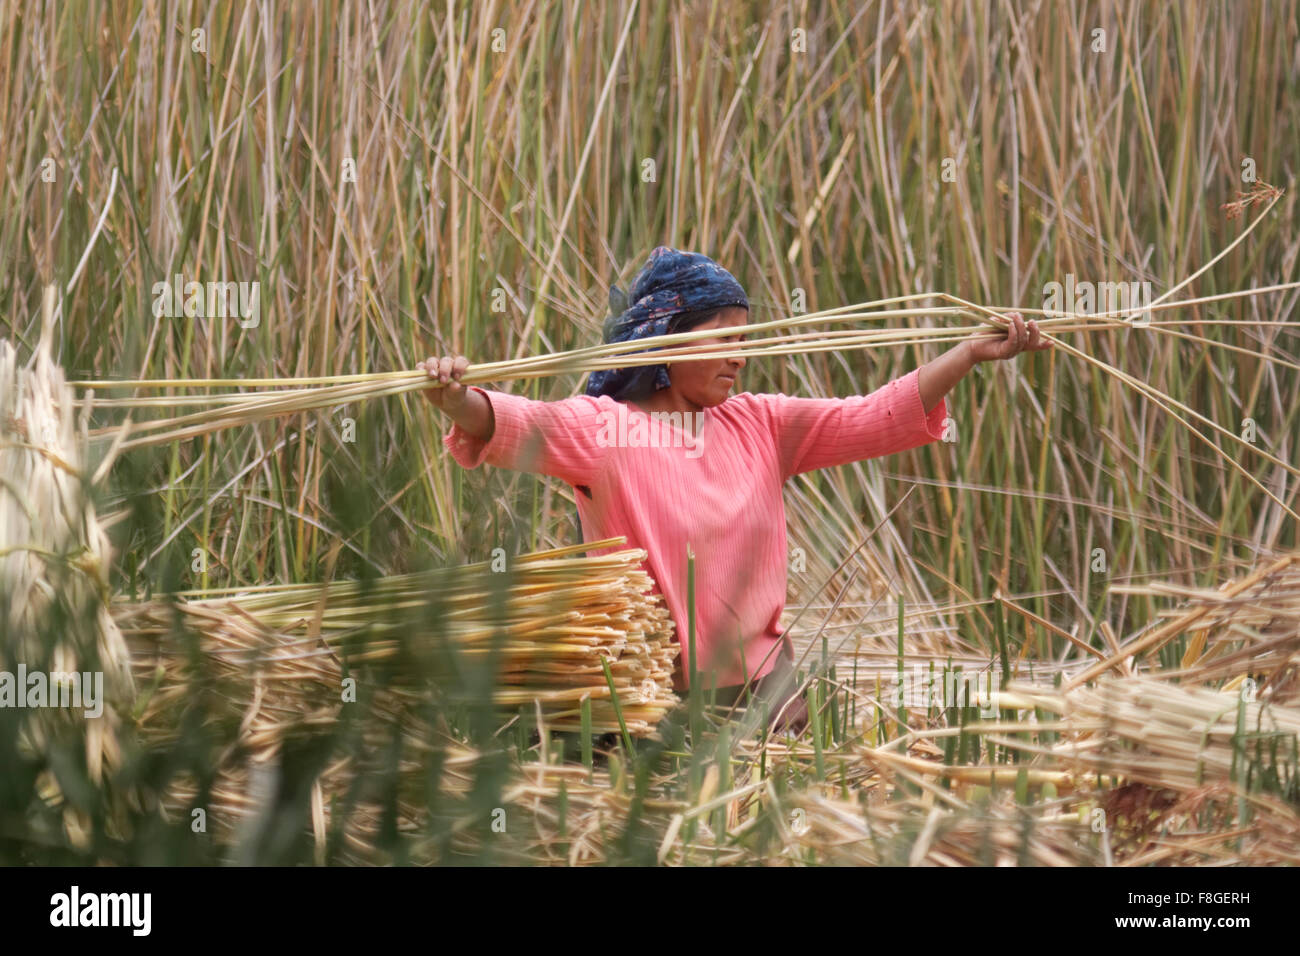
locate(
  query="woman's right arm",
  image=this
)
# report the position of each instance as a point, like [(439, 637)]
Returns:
[(562, 438)]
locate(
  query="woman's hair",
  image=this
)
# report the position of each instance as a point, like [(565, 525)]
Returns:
[(686, 321)]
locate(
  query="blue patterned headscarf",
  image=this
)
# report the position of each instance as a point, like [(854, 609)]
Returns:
[(670, 283)]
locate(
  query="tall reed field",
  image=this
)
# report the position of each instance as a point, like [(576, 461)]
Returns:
[(357, 187)]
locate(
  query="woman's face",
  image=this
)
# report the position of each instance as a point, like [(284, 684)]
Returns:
[(708, 382)]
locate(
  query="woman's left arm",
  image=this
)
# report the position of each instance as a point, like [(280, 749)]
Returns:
[(906, 413), (937, 378)]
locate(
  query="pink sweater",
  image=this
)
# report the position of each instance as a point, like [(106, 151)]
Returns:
[(665, 487)]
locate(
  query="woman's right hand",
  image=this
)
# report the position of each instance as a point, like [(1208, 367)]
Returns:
[(450, 396)]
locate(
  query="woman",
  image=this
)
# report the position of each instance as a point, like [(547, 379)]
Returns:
[(668, 457)]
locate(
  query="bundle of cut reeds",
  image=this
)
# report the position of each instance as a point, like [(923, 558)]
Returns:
[(1164, 734), (561, 620)]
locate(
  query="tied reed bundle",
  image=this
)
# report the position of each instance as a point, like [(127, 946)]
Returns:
[(55, 625), (564, 618), (1215, 772), (274, 660), (1167, 735)]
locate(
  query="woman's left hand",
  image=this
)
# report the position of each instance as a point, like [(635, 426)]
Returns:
[(1021, 337)]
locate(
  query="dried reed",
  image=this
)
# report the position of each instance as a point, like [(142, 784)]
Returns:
[(287, 649)]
